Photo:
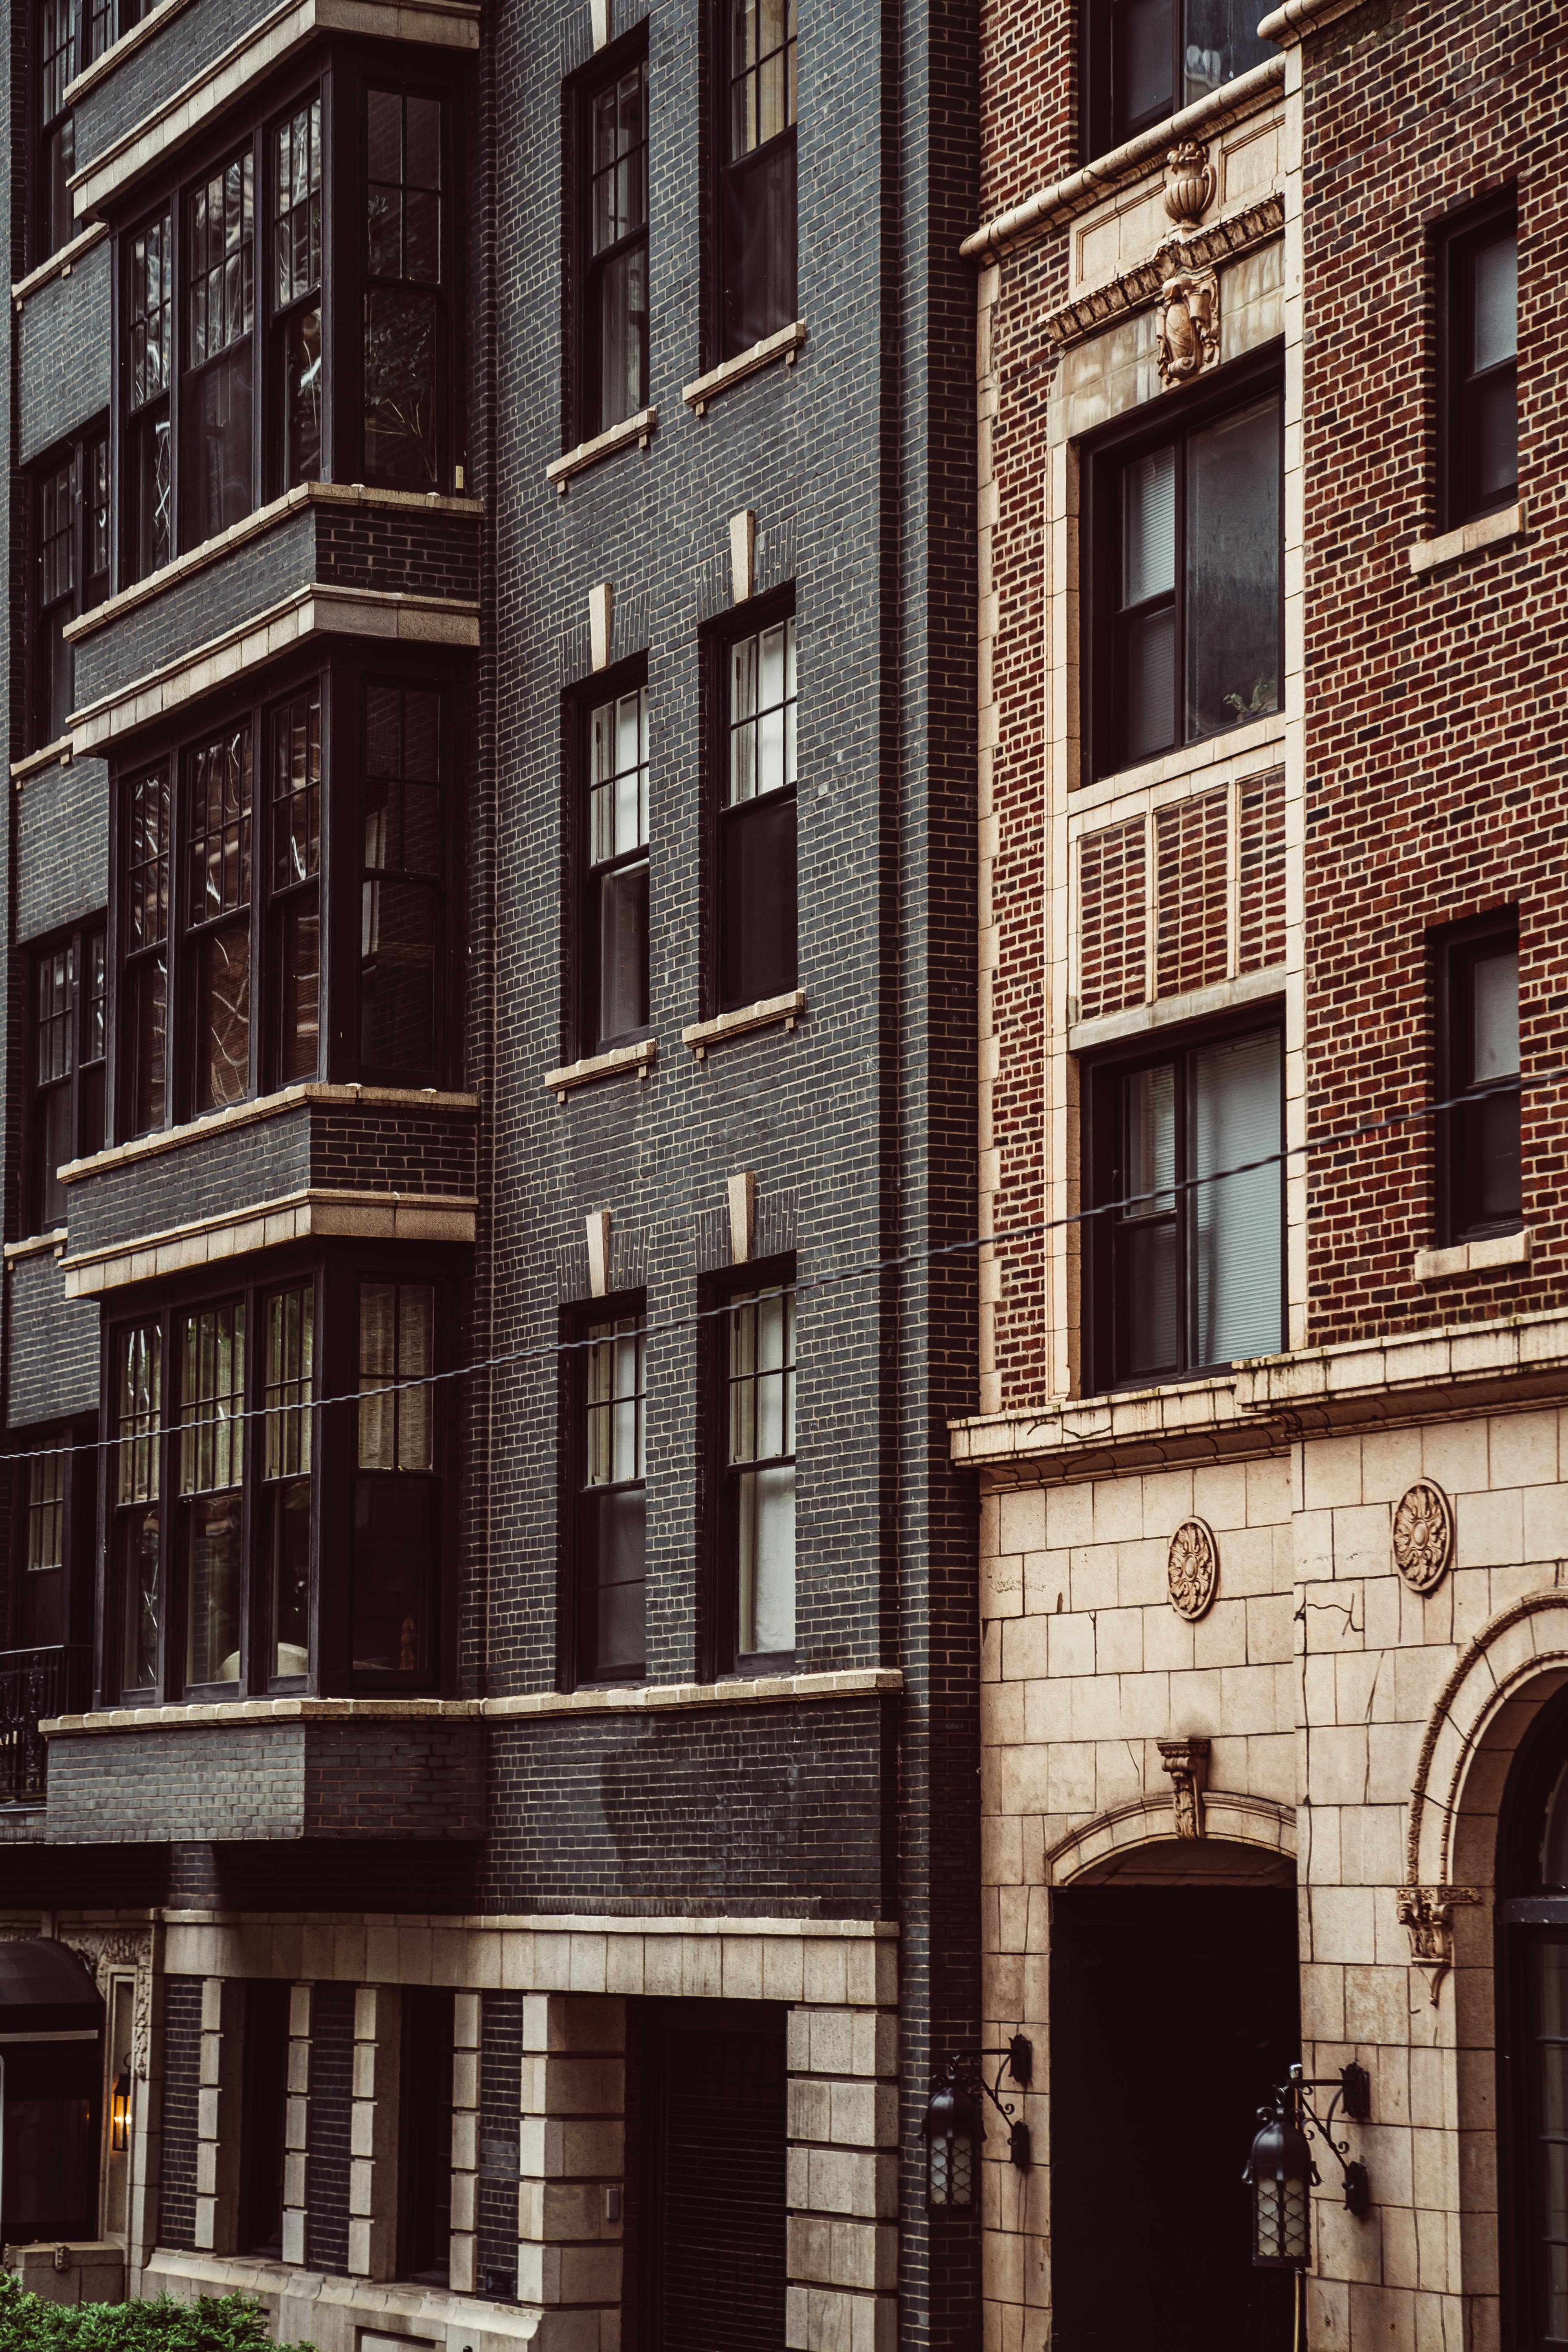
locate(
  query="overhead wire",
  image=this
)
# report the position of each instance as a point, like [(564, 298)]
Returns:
[(835, 1278)]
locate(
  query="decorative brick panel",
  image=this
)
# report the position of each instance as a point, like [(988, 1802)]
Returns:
[(1113, 940), (1260, 857), (332, 2107), (1192, 890), (182, 2055)]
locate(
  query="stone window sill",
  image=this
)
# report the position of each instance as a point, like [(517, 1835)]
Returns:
[(640, 428), (57, 755), (52, 1244), (1473, 1257), (1198, 1004), (1487, 530), (761, 1015), (784, 345), (640, 1058)]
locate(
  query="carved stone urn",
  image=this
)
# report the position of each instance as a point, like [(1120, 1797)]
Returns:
[(1189, 184)]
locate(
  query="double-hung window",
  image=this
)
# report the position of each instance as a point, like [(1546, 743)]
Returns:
[(72, 491), (756, 1544), (756, 817), (232, 1564), (1479, 1174), (227, 865), (1145, 60), (1187, 1257), (71, 35), (754, 142), (42, 1596), (1185, 580), (612, 355), (235, 293), (615, 981), (68, 1042), (609, 1375), (1479, 266)]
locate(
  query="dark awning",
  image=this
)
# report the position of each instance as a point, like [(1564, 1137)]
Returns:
[(45, 1991)]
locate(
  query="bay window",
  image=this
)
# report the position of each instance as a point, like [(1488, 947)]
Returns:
[(1184, 578), (239, 285), (259, 1539), (228, 859), (1186, 1263)]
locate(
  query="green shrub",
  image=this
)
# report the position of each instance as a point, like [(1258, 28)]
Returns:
[(212, 2323)]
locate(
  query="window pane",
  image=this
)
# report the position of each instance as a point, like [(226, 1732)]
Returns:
[(221, 260), (1143, 62), (46, 1512), (95, 1010), (1495, 303), (615, 1403), (623, 336), (397, 1345), (1149, 527), (56, 984), (147, 984), (1494, 422), (767, 1560), (617, 1601), (762, 72), (290, 1365), (762, 1377), (219, 472), (397, 976), (1494, 993), (152, 488), (297, 205), (287, 1539), (758, 886), (301, 353), (400, 385), (394, 1556), (1149, 663), (300, 1054), (1148, 1323), (149, 312), (1150, 1099), (1233, 569), (141, 1598), (619, 192), (139, 1404), (622, 952), (59, 662), (56, 1126), (147, 860), (759, 205), (297, 791), (619, 777), (212, 1398), (1221, 42), (1236, 1223), (213, 1585), (219, 793)]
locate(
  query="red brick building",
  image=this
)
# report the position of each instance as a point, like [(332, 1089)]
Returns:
[(1275, 1326)]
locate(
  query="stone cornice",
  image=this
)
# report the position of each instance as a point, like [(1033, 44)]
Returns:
[(1040, 213)]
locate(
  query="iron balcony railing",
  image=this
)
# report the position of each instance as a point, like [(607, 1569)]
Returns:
[(34, 1686)]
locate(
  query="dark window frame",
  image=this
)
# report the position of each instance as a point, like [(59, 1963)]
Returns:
[(582, 407), (82, 31), (1454, 950), (342, 80), (77, 1473), (335, 1280), (577, 1665), (579, 918), (726, 333), (83, 1086), (719, 819), (82, 462), (1103, 1158), (1150, 427), (1103, 124), (719, 1495), (1457, 241), (342, 683)]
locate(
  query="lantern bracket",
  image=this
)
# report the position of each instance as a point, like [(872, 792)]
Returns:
[(1352, 2088), (966, 2072)]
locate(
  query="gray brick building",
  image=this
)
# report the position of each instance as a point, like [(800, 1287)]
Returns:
[(489, 1160)]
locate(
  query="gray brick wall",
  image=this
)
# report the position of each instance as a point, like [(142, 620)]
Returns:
[(62, 355), (62, 847), (53, 1358)]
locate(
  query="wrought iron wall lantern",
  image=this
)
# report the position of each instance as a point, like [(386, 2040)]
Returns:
[(1281, 2174), (952, 2124)]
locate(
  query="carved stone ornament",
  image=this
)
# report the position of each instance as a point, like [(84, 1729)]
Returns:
[(1187, 1762), (1423, 1535), (1427, 1912), (1190, 184), (1187, 326), (1192, 1570)]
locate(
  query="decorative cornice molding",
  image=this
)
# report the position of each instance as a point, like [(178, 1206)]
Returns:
[(1136, 289)]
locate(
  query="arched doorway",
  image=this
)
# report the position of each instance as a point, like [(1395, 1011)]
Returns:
[(1532, 2035), (1175, 2008)]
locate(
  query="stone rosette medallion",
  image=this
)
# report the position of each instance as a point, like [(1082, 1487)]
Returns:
[(1423, 1535), (1192, 1570)]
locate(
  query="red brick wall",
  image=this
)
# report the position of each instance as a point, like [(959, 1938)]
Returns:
[(1027, 78), (1437, 706)]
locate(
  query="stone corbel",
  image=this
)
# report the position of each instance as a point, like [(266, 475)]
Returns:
[(1187, 1762), (1428, 1912)]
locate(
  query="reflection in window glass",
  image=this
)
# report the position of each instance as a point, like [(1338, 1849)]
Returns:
[(286, 1494), (219, 472), (757, 202), (618, 219), (43, 1594), (145, 1032), (402, 852), (761, 1389), (617, 856), (1233, 571), (296, 868), (394, 1513), (149, 319), (138, 1409), (403, 222), (220, 853), (212, 1401), (296, 284)]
